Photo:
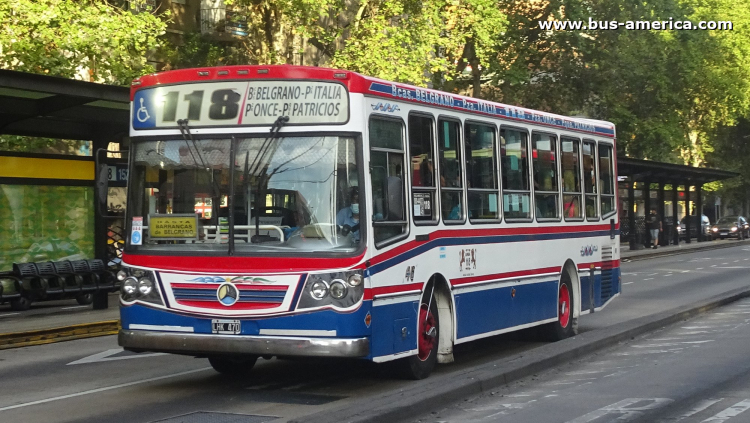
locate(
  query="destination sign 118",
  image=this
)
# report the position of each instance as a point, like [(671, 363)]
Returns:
[(246, 103)]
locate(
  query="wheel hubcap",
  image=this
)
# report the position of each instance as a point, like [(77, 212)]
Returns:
[(427, 333), (564, 308)]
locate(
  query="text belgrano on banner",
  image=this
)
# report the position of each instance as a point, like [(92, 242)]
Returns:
[(302, 102)]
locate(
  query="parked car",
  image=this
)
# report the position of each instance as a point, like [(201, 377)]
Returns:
[(731, 226), (705, 226)]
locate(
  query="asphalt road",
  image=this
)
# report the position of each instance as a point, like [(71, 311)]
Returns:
[(696, 371), (92, 380)]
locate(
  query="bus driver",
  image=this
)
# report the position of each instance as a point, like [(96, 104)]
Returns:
[(348, 217)]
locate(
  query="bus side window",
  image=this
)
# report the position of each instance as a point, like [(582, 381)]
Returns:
[(451, 180), (515, 171), (481, 172), (546, 184), (589, 180), (424, 188), (606, 179), (571, 178), (388, 187)]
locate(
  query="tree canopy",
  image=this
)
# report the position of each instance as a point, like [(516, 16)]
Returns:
[(68, 38)]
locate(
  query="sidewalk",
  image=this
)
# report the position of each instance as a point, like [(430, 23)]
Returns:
[(626, 254)]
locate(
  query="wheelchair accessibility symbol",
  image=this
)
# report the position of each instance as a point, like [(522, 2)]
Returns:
[(142, 113)]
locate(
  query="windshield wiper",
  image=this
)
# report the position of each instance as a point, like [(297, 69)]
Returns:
[(275, 128), (187, 135)]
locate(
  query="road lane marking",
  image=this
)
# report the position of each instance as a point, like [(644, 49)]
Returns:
[(698, 268), (627, 283), (730, 412), (713, 265), (106, 388), (74, 307), (105, 356), (648, 279), (9, 314), (704, 404), (626, 409), (652, 274)]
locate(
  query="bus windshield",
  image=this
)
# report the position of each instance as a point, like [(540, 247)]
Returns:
[(288, 194)]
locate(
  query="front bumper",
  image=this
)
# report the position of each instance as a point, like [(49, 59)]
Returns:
[(207, 344)]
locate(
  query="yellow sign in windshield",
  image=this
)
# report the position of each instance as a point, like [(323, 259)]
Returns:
[(173, 227)]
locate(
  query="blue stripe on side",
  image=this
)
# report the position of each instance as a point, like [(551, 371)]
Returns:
[(495, 309), (497, 239), (388, 324)]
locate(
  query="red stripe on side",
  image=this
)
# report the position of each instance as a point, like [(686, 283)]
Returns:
[(215, 305), (611, 264), (370, 293), (466, 233), (506, 275)]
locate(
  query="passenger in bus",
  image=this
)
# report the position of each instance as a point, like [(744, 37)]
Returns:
[(348, 217)]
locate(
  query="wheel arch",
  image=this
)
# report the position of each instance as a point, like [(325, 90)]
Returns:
[(571, 270), (446, 312)]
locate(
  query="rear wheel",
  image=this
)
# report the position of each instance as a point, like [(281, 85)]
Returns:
[(566, 324), (420, 366), (233, 366)]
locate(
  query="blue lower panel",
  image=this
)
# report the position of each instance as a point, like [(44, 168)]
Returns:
[(346, 325), (586, 296), (394, 328), (495, 309)]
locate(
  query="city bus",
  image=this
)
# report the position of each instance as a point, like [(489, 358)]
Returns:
[(279, 211)]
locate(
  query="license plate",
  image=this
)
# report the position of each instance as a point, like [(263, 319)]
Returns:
[(231, 327), (724, 233)]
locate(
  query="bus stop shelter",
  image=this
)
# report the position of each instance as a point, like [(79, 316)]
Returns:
[(660, 183), (33, 185)]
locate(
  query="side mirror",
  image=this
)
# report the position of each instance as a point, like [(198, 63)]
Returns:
[(394, 197)]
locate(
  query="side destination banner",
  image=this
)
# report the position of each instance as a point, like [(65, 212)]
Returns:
[(437, 98), (247, 103)]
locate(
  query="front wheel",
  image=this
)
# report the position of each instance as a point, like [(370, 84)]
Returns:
[(420, 366), (566, 324), (233, 366), (20, 304)]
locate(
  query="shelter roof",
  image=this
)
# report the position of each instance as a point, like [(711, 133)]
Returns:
[(44, 106), (638, 170)]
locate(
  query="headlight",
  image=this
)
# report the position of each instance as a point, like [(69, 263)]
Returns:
[(734, 229), (139, 284), (355, 279), (338, 289), (129, 286), (341, 290), (319, 290), (145, 286), (715, 229)]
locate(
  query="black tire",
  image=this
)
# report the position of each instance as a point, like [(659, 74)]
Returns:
[(20, 304), (233, 365), (85, 299), (566, 324), (420, 365)]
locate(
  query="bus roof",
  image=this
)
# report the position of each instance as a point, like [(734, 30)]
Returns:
[(357, 83)]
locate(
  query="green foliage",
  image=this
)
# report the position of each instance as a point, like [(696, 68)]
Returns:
[(422, 42), (64, 37), (43, 145)]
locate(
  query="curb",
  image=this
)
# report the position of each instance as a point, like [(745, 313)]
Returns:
[(678, 251), (59, 334), (424, 396)]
